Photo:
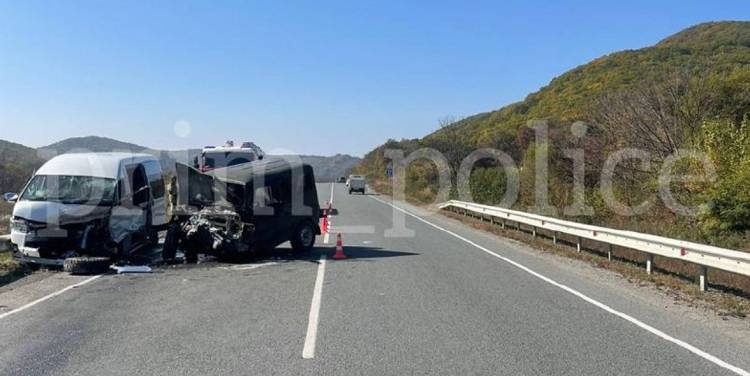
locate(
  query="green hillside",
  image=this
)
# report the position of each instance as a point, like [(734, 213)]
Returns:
[(718, 50), (17, 162), (690, 85)]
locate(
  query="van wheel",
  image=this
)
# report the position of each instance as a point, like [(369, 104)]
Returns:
[(123, 248), (303, 237), (86, 265), (191, 256), (152, 236), (169, 249)]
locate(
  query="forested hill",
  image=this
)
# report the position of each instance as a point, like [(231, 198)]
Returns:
[(719, 50), (687, 91)]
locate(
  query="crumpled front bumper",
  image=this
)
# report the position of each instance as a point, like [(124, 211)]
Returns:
[(30, 254), (20, 257)]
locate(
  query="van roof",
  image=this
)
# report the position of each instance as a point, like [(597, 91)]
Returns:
[(245, 172), (103, 165)]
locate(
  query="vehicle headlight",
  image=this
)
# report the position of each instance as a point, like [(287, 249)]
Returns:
[(19, 225)]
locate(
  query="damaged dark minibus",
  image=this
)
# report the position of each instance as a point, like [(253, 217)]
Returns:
[(242, 209)]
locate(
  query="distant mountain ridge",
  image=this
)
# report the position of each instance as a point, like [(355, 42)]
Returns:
[(92, 144), (17, 162)]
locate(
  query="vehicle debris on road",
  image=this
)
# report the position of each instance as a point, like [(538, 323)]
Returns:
[(131, 269)]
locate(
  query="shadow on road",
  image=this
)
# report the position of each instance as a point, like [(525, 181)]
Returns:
[(152, 257), (366, 253)]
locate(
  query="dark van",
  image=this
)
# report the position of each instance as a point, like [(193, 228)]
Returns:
[(242, 209)]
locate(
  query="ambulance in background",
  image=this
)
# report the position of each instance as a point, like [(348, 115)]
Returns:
[(213, 157)]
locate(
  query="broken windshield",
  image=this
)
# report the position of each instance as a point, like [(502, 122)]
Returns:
[(71, 189)]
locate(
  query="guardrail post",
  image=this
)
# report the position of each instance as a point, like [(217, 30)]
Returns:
[(554, 237), (703, 278), (578, 244), (533, 231), (502, 225), (609, 252), (649, 263)]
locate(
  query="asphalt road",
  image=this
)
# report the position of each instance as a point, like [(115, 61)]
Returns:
[(431, 303)]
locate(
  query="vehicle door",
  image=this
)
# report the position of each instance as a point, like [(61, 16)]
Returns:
[(129, 214), (271, 213), (156, 184)]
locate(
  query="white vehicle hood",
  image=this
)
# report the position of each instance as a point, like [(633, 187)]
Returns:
[(56, 213)]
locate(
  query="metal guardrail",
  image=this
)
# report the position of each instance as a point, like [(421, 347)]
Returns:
[(703, 255)]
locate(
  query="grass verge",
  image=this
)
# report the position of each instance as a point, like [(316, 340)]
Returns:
[(11, 270)]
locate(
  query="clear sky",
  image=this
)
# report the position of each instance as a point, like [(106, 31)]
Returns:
[(308, 77)]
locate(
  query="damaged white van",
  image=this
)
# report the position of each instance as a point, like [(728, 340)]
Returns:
[(85, 210)]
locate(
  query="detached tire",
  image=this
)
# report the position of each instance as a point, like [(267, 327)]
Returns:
[(86, 265), (303, 237)]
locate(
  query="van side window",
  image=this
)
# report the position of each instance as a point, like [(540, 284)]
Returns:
[(155, 178)]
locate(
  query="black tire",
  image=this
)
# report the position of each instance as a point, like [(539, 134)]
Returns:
[(152, 237), (169, 249), (191, 256), (303, 237), (86, 265), (350, 191), (124, 248)]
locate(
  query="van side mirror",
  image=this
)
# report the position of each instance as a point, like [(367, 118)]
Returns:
[(10, 197)]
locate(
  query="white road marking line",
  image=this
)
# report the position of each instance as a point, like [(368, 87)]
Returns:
[(52, 295), (308, 351), (711, 358), (332, 185)]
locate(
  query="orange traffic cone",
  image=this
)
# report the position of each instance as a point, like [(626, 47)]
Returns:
[(339, 255), (324, 224)]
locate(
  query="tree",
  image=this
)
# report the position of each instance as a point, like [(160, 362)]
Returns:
[(657, 119)]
